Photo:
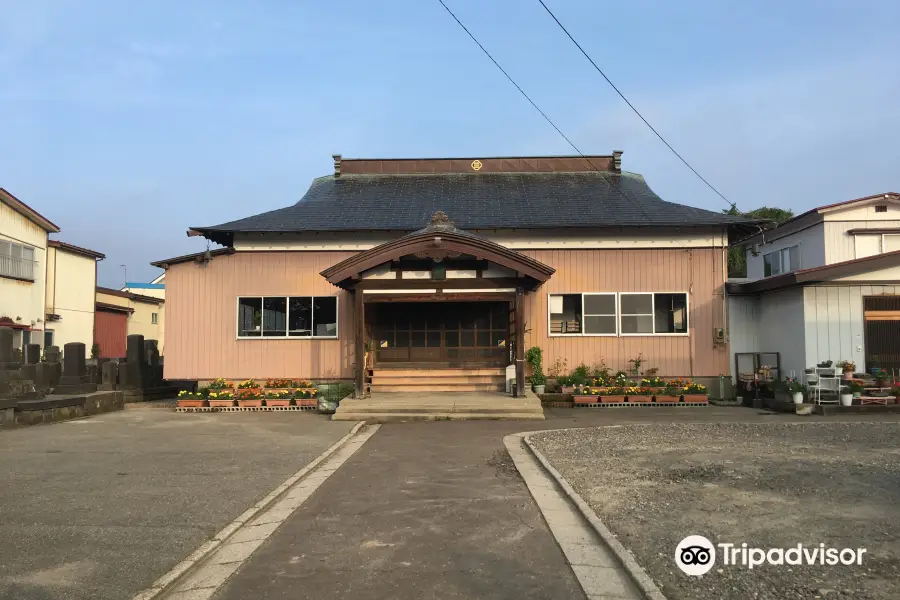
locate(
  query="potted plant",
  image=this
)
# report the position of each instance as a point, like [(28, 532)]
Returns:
[(881, 377), (856, 388), (248, 384), (587, 396), (249, 397), (306, 396), (846, 396), (795, 389), (825, 364), (188, 399), (614, 395), (694, 392), (637, 394), (278, 398), (221, 398), (655, 383), (538, 381), (847, 367), (670, 392), (555, 372), (565, 384)]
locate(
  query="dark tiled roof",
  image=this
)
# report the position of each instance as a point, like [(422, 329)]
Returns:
[(475, 201)]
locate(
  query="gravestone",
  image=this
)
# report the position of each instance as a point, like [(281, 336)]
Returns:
[(7, 351), (75, 379), (32, 354), (135, 361), (109, 375), (74, 364), (151, 352), (46, 376), (51, 354)]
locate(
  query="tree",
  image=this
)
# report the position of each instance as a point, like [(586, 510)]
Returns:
[(737, 259)]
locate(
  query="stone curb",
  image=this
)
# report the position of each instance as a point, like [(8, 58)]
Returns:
[(638, 575), (167, 581)]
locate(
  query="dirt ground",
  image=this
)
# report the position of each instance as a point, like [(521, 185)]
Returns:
[(769, 485)]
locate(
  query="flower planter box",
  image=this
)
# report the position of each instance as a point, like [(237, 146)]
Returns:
[(586, 399), (191, 403), (567, 389), (639, 399), (251, 402), (221, 403), (612, 399), (696, 398), (307, 401), (668, 399), (278, 402)]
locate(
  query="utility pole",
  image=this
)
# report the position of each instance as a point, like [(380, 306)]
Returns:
[(125, 270)]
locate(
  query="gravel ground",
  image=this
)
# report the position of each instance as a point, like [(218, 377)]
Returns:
[(769, 485)]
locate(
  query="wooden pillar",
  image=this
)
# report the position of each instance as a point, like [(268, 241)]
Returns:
[(520, 342), (360, 343)]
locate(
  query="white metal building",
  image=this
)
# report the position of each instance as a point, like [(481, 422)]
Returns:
[(823, 286)]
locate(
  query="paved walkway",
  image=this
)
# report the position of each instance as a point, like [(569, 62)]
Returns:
[(434, 510), (99, 508), (424, 510)]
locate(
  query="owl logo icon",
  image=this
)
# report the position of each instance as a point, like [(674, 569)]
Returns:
[(695, 555)]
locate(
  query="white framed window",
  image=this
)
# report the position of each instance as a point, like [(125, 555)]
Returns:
[(16, 260), (781, 261), (310, 317), (154, 317), (618, 314), (599, 312)]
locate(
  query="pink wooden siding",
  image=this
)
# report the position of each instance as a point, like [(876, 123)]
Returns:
[(696, 271), (201, 322), (201, 313)]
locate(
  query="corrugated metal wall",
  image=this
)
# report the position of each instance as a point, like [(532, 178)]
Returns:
[(110, 333), (743, 328), (201, 322), (697, 271), (201, 307), (834, 321)]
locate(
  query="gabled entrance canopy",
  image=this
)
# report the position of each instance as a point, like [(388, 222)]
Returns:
[(439, 241)]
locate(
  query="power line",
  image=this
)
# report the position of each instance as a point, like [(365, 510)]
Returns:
[(636, 111), (543, 114)]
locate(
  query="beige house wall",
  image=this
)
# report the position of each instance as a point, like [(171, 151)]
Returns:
[(71, 284), (201, 304), (23, 301)]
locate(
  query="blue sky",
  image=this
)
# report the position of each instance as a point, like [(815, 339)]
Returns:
[(127, 122)]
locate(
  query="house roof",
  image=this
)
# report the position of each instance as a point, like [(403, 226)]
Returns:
[(134, 285), (816, 274), (129, 295), (438, 240), (484, 199), (28, 212), (794, 224), (197, 256), (76, 249)]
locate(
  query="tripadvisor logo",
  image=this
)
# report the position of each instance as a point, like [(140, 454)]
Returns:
[(696, 555)]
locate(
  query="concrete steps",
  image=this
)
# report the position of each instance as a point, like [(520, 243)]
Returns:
[(438, 380), (388, 407)]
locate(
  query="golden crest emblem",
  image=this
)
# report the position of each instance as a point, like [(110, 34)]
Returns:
[(476, 165)]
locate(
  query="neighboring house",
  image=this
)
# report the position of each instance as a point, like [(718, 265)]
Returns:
[(154, 289), (823, 286), (23, 268), (120, 314), (456, 263), (71, 280)]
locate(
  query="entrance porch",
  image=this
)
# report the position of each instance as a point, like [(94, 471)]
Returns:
[(439, 298)]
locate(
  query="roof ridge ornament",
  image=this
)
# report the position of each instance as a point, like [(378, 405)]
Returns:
[(441, 218)]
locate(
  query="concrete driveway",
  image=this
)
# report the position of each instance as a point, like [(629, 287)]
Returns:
[(100, 508)]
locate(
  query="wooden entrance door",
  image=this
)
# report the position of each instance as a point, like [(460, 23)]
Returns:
[(442, 332)]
